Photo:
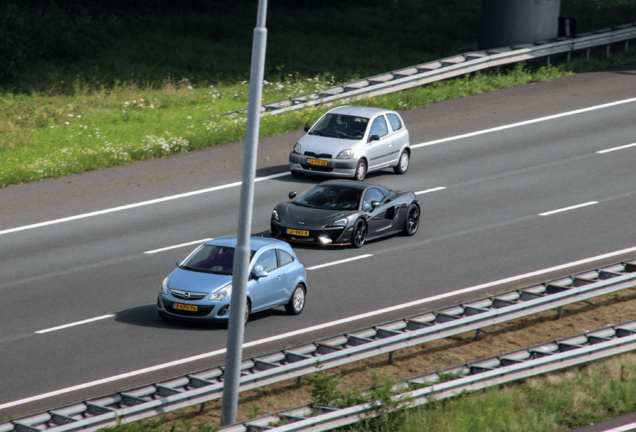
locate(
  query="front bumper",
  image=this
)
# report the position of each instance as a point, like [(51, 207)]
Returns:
[(336, 236), (334, 167), (206, 311)]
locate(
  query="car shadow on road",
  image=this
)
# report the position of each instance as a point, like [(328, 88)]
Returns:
[(147, 316)]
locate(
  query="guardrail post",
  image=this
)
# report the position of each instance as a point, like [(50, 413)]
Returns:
[(560, 312), (626, 46), (202, 408), (299, 381), (477, 334), (607, 49), (498, 70), (569, 53), (391, 357), (548, 61), (587, 54)]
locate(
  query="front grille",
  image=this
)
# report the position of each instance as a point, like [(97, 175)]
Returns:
[(316, 168), (201, 310), (321, 155), (186, 295)]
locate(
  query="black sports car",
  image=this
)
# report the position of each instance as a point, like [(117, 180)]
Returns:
[(345, 212)]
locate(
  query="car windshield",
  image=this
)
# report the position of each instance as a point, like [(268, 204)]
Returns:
[(330, 197), (341, 126), (211, 259)]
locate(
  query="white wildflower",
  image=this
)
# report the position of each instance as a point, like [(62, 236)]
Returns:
[(70, 115), (189, 117)]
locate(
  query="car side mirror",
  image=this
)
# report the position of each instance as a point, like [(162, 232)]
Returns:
[(292, 195), (179, 263), (375, 204), (374, 138), (306, 129), (260, 274)]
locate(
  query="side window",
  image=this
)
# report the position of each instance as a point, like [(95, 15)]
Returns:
[(267, 260), (371, 195), (396, 124), (379, 127), (284, 258)]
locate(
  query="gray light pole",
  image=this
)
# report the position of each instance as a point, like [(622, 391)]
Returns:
[(240, 270)]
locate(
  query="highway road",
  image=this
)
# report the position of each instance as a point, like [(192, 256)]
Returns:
[(511, 182)]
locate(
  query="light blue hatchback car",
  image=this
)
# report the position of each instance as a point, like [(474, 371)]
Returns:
[(200, 288)]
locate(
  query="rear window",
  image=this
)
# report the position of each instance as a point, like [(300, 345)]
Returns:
[(284, 258)]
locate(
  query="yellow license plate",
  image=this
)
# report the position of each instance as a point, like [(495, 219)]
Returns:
[(191, 308), (317, 162), (298, 232)]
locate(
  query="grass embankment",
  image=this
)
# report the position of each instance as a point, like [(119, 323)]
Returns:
[(555, 402), (52, 135), (84, 108)]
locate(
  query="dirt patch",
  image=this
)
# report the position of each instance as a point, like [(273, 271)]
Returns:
[(499, 339)]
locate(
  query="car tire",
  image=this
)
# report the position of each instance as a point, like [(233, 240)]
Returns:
[(359, 235), (361, 170), (247, 312), (297, 174), (412, 222), (403, 163), (296, 301)]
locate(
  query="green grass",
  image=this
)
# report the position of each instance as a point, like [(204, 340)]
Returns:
[(51, 135), (101, 93), (555, 402)]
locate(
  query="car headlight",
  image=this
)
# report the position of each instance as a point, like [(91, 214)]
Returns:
[(222, 294), (164, 286), (345, 154), (296, 148), (338, 223), (275, 216)]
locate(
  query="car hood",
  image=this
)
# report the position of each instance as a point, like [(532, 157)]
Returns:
[(333, 146), (187, 280), (311, 218)]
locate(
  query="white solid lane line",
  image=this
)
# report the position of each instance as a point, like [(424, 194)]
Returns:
[(429, 143), (74, 324), (623, 428), (524, 123), (339, 262), (179, 245), (568, 208), (616, 148), (430, 190), (317, 327), (139, 204)]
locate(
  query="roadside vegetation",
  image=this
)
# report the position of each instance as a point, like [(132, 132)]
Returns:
[(115, 87)]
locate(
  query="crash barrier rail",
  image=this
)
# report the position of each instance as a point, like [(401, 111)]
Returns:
[(525, 363), (207, 385), (451, 67)]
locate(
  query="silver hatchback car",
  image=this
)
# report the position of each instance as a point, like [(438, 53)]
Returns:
[(352, 141)]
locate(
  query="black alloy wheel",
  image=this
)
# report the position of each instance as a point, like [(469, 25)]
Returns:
[(403, 163), (412, 222), (359, 233), (361, 170), (247, 311), (297, 301)]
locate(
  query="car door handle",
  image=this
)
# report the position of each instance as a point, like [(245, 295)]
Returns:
[(279, 277)]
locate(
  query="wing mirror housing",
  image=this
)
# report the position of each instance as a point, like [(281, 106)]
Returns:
[(179, 263), (375, 204), (292, 195), (374, 138), (258, 272), (306, 129)]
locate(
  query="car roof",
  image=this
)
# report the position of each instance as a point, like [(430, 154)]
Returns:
[(255, 242), (351, 183), (367, 112)]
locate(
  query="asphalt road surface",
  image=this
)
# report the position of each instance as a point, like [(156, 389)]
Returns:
[(493, 171)]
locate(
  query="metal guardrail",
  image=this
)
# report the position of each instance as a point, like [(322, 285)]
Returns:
[(450, 67), (203, 386), (520, 364)]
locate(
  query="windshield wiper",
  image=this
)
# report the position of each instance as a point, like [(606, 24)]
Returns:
[(316, 132), (220, 272), (302, 205)]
